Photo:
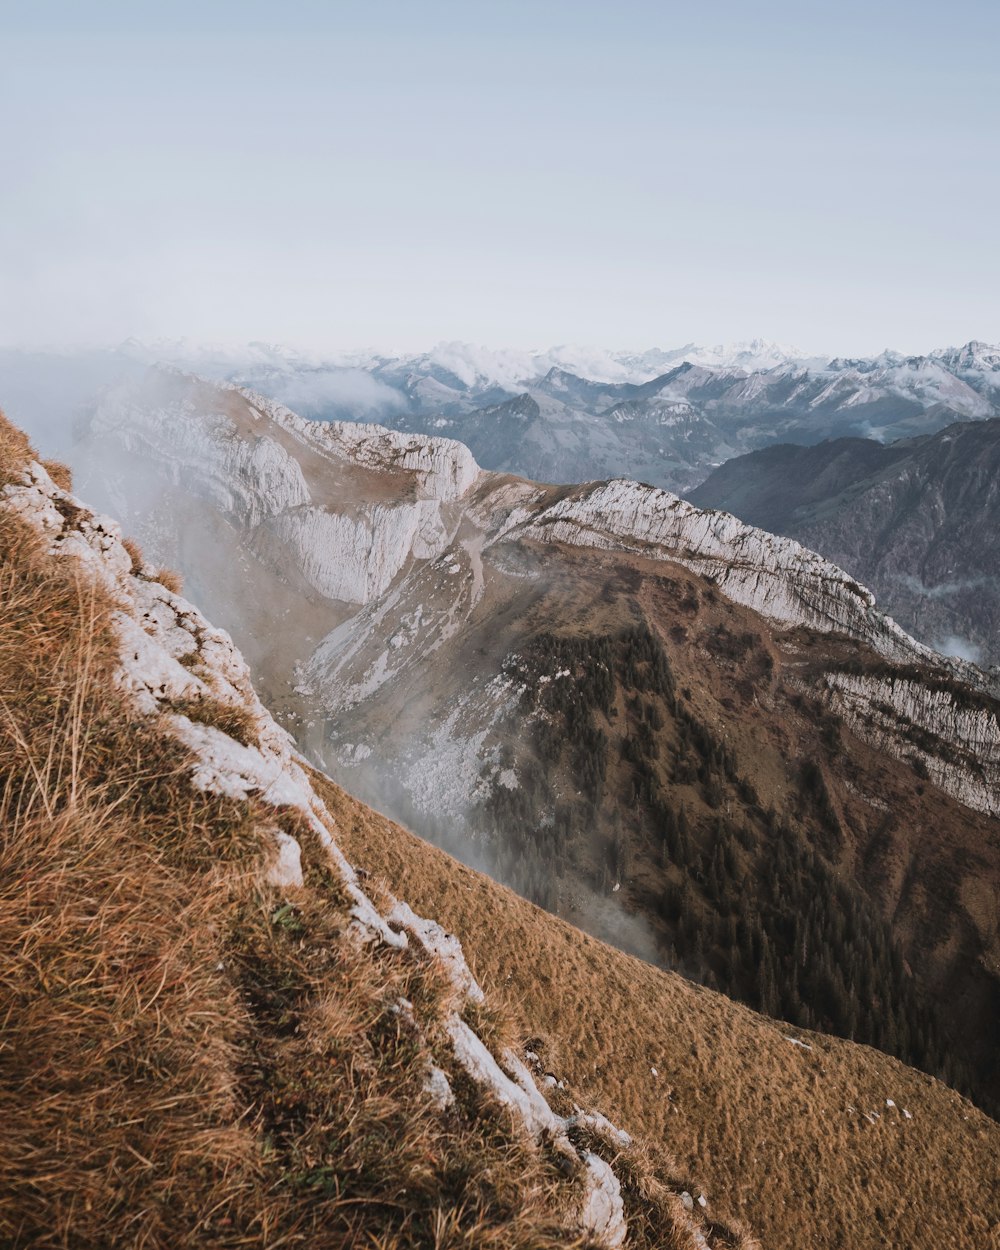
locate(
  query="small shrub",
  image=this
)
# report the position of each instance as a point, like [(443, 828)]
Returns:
[(135, 553), (60, 473)]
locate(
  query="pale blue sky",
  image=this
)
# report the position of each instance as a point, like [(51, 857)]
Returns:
[(627, 174)]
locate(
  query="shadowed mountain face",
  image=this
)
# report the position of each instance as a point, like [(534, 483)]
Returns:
[(917, 520), (692, 737)]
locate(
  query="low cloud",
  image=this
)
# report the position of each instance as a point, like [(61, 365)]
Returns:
[(329, 394), (960, 648)]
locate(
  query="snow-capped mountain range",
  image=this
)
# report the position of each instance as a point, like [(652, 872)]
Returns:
[(667, 417), (663, 416), (476, 366)]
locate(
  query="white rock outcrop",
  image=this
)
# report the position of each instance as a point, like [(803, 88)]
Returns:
[(444, 469), (244, 474), (957, 742), (774, 576), (241, 452), (353, 556)]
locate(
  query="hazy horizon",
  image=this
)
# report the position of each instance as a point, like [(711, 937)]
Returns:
[(333, 353), (333, 177)]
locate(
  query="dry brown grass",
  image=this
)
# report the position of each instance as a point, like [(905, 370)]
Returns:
[(15, 449), (60, 473), (233, 719), (135, 553), (776, 1132), (116, 1095), (171, 579), (187, 1057), (166, 577)]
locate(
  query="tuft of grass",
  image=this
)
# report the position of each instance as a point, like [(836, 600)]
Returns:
[(170, 578), (60, 473), (15, 450), (135, 554), (493, 1021), (166, 577), (231, 718)]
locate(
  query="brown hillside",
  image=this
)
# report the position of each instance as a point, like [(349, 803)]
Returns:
[(676, 746), (799, 1140)]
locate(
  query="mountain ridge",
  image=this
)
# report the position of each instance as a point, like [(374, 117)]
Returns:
[(879, 1176), (747, 681)]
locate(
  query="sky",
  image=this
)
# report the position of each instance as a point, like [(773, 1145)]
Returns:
[(342, 175)]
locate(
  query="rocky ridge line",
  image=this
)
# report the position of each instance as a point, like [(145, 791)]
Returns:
[(359, 550)]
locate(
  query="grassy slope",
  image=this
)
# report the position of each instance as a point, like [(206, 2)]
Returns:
[(191, 1057), (779, 1130)]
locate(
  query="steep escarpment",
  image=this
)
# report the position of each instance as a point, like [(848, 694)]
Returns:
[(246, 459), (628, 708), (953, 735), (779, 579), (217, 1033), (916, 519)]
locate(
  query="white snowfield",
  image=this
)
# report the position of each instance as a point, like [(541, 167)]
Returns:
[(473, 366), (157, 629)]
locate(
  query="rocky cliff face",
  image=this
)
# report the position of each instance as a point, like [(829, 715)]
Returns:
[(245, 456), (957, 740), (777, 578)]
